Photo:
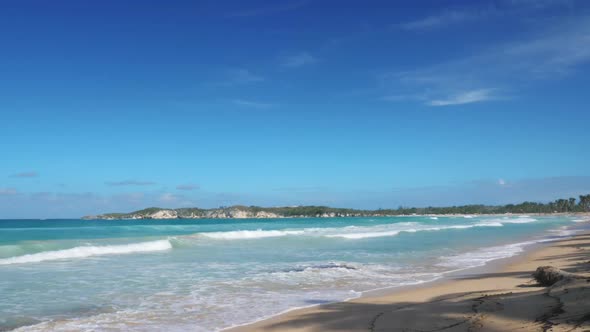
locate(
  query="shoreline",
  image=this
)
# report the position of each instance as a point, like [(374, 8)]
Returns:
[(542, 214), (465, 215), (298, 319)]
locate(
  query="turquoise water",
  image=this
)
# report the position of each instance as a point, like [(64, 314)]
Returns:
[(205, 275)]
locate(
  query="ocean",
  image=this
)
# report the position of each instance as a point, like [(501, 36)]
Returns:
[(206, 275)]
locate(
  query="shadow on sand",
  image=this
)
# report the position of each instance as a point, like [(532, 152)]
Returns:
[(559, 308)]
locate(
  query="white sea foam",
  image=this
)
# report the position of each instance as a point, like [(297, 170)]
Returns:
[(369, 234), (563, 231), (87, 251), (581, 220), (354, 232), (257, 234), (434, 218), (364, 235), (506, 220), (315, 277), (490, 223), (519, 220), (482, 256)]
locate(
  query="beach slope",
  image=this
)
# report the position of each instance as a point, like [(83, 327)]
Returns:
[(501, 297)]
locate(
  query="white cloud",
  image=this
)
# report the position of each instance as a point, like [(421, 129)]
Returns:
[(239, 76), (187, 187), (129, 183), (476, 12), (538, 4), (443, 19), (298, 60), (269, 9), (501, 182), (250, 103), (8, 191), (466, 97), (557, 52), (30, 174), (168, 197), (552, 52)]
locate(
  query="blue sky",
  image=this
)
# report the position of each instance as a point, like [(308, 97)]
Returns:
[(119, 105)]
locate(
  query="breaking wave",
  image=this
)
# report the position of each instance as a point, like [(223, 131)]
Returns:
[(88, 251), (257, 234), (365, 235), (360, 232), (481, 256)]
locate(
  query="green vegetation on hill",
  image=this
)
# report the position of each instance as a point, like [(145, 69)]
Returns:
[(569, 205)]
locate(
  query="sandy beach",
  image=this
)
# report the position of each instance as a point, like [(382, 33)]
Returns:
[(502, 296)]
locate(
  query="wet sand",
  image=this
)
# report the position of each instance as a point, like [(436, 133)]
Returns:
[(502, 296)]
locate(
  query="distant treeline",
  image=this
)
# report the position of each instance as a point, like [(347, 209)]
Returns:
[(569, 205), (582, 204)]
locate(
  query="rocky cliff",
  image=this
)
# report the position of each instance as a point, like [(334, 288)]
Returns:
[(234, 212)]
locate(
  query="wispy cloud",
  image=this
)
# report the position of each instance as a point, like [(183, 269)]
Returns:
[(129, 183), (16, 204), (250, 103), (538, 4), (268, 10), (301, 189), (550, 53), (176, 200), (131, 197), (478, 12), (168, 197), (8, 191), (404, 97), (298, 60), (30, 174), (445, 18), (187, 187), (237, 76), (466, 97), (557, 52)]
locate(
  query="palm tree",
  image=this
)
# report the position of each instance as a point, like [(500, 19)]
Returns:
[(561, 205), (584, 202), (572, 204)]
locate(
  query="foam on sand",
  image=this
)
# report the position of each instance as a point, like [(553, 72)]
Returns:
[(481, 256), (87, 251)]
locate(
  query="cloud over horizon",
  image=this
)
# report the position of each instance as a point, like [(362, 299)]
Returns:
[(13, 204), (187, 187), (129, 183), (29, 174), (8, 191)]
